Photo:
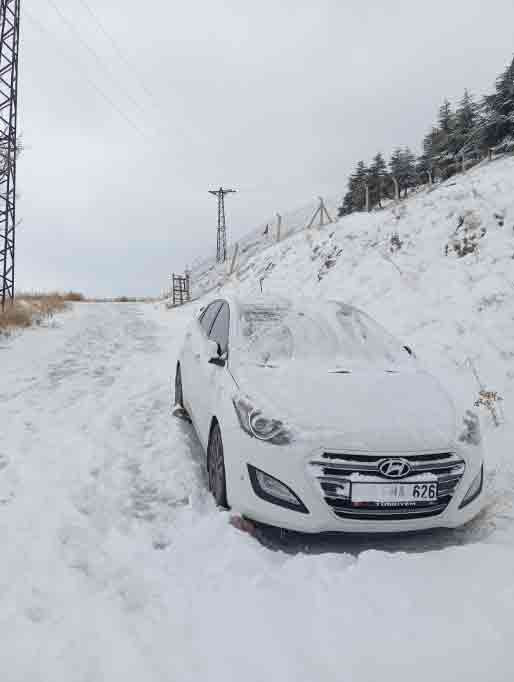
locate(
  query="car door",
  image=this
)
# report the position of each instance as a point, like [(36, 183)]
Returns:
[(214, 375), (194, 359)]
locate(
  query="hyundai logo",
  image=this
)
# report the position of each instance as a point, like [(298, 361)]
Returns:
[(395, 468)]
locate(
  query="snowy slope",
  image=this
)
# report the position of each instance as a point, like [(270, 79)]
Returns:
[(206, 274), (117, 566), (456, 312), (115, 563)]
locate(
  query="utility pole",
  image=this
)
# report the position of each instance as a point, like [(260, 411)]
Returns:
[(221, 251), (9, 48)]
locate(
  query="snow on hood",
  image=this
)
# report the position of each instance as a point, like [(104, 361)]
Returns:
[(375, 410)]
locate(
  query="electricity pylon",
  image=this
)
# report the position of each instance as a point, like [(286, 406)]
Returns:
[(9, 48), (221, 251)]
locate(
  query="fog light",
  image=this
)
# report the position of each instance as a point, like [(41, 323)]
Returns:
[(272, 490), (475, 488)]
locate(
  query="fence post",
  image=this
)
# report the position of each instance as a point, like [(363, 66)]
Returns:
[(279, 227), (234, 258), (490, 153), (188, 286)]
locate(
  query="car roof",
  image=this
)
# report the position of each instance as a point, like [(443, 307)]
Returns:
[(269, 300)]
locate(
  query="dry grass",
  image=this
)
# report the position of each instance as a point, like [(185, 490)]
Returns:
[(34, 308), (124, 299), (73, 296)]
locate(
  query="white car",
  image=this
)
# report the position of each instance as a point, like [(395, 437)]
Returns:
[(315, 419)]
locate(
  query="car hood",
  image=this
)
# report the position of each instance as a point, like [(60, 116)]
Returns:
[(377, 410)]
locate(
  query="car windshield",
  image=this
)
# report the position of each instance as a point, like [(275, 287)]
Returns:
[(332, 333)]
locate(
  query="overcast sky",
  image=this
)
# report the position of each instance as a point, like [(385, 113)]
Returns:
[(278, 99)]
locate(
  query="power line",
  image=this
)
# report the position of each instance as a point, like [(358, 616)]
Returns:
[(74, 30), (123, 58), (44, 31)]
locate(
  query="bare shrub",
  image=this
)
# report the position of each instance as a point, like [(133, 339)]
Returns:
[(31, 308), (490, 400), (395, 243), (466, 237), (73, 296), (16, 315)]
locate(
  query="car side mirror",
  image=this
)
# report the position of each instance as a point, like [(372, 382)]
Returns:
[(216, 357), (220, 361)]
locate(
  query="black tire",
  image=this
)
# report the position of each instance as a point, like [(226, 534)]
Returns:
[(216, 468), (179, 393)]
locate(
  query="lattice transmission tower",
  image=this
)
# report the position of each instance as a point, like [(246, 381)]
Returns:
[(221, 251), (9, 48)]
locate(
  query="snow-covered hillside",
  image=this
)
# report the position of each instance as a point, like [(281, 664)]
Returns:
[(116, 565), (404, 266)]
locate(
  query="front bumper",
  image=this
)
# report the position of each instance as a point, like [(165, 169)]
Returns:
[(292, 465)]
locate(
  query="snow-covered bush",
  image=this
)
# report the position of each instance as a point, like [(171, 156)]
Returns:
[(467, 235)]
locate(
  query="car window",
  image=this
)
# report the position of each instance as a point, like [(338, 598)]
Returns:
[(220, 328), (209, 315), (334, 334)]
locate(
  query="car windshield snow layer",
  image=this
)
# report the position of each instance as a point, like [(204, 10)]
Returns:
[(334, 334)]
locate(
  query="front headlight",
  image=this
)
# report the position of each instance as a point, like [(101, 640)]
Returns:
[(258, 425), (475, 488)]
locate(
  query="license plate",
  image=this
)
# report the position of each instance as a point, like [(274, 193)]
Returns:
[(393, 493)]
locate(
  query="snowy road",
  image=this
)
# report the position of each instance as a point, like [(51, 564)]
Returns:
[(116, 566)]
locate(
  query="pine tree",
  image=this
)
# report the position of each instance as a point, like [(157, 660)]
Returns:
[(464, 135), (499, 109), (358, 183), (428, 160), (408, 169), (377, 178), (347, 206), (446, 117), (466, 114), (355, 198), (403, 168)]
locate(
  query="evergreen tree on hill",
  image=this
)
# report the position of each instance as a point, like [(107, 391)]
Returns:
[(471, 128), (358, 183), (465, 135), (355, 198), (466, 114), (446, 117), (445, 144), (378, 178), (499, 126), (403, 168), (428, 159)]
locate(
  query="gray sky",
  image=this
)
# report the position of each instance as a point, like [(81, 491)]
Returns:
[(278, 99)]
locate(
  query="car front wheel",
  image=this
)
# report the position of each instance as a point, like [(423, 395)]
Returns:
[(216, 468)]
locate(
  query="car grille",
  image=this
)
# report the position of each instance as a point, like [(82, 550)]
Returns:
[(332, 469)]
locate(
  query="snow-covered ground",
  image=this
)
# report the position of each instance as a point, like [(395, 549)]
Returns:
[(115, 563)]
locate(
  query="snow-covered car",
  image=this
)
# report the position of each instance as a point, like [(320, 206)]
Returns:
[(315, 419)]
